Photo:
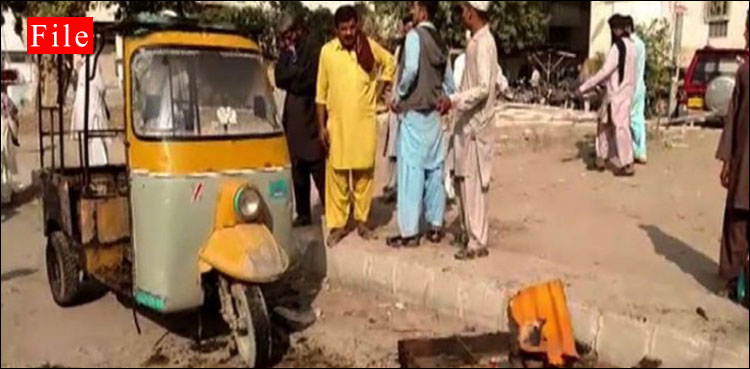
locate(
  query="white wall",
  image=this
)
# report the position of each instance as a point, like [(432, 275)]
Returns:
[(695, 28), (601, 11)]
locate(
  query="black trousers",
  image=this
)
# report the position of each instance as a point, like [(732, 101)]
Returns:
[(734, 244), (302, 172)]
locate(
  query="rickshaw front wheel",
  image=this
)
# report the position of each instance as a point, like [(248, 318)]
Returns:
[(63, 271), (244, 309)]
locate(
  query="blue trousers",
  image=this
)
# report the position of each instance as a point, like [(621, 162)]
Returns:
[(638, 126), (419, 189)]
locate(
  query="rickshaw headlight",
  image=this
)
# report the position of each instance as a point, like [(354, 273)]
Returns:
[(247, 204)]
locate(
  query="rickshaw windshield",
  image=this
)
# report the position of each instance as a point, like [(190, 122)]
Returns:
[(183, 93)]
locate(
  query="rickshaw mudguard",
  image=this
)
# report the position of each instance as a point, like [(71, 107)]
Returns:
[(247, 253)]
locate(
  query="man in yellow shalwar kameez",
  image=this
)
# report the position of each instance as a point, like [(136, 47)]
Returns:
[(350, 68)]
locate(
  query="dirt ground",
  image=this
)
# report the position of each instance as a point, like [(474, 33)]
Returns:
[(646, 246), (354, 329)]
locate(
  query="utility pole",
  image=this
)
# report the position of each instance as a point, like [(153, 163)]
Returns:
[(678, 16)]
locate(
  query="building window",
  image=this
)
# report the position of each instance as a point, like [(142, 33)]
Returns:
[(718, 29), (717, 11)]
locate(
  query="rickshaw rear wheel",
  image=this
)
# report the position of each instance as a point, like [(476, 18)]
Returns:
[(244, 309), (63, 271)]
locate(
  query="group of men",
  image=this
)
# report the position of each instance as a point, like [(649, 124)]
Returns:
[(622, 131), (337, 87), (621, 134)]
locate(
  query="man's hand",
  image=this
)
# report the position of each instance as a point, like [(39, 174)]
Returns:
[(444, 105), (325, 139), (393, 106), (725, 175)]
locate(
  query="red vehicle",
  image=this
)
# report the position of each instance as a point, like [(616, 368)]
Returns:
[(707, 65)]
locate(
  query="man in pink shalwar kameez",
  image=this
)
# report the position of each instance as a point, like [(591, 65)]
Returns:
[(614, 140)]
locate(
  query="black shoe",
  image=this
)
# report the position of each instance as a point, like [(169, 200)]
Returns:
[(599, 165), (460, 240), (335, 237), (435, 236), (398, 242), (301, 222), (467, 255), (626, 171)]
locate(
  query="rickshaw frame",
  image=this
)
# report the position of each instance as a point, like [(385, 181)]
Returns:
[(83, 207)]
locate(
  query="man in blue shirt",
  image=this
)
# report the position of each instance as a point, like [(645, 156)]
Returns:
[(638, 110), (425, 81)]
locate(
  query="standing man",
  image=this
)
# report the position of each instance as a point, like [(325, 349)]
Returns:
[(394, 121), (424, 82), (638, 112), (475, 109), (350, 68), (618, 73), (98, 110), (297, 73), (733, 151), (9, 141)]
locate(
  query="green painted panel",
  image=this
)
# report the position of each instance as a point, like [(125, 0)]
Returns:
[(173, 218)]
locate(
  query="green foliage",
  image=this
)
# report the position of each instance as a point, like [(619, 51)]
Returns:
[(517, 25), (261, 20), (22, 9), (659, 64), (128, 8)]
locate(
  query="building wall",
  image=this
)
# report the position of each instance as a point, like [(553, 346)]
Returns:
[(695, 32)]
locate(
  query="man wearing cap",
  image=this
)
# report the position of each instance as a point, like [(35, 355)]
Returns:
[(425, 80), (619, 74), (638, 112), (473, 147), (297, 73)]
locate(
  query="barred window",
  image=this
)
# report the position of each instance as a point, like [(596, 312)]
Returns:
[(718, 29)]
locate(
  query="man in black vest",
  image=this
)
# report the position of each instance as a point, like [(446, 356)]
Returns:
[(424, 82)]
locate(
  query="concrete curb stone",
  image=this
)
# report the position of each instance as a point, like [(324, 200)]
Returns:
[(619, 340)]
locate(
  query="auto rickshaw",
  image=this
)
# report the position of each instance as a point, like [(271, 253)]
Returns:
[(203, 204)]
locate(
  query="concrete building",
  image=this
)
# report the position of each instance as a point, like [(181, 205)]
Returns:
[(717, 24)]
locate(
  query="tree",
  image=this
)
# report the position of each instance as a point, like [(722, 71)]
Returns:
[(517, 25), (128, 8), (48, 72), (659, 64)]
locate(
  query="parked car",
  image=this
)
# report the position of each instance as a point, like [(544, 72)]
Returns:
[(708, 64)]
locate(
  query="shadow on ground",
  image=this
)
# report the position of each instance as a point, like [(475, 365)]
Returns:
[(20, 198), (17, 273), (692, 262), (586, 152)]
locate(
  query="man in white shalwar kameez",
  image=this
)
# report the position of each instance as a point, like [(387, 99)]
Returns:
[(98, 114), (473, 146), (9, 142)]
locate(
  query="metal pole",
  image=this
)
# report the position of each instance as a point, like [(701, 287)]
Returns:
[(52, 137), (39, 110), (60, 106), (676, 51), (86, 123)]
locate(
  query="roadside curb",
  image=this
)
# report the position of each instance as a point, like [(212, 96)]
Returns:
[(619, 340)]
